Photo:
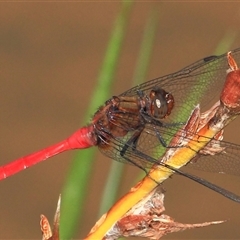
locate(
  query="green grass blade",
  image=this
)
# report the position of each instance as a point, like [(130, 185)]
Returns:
[(116, 170), (112, 185), (75, 189), (226, 42), (146, 48)]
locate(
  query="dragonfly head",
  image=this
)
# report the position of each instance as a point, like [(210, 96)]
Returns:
[(161, 103)]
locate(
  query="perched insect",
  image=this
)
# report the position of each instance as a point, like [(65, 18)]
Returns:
[(138, 125)]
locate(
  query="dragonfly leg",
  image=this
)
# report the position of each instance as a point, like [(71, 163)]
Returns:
[(160, 138), (132, 142), (162, 141)]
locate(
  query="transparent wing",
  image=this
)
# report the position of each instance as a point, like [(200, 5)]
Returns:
[(228, 161), (195, 84)]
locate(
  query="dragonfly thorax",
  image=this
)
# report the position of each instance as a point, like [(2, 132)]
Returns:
[(124, 114)]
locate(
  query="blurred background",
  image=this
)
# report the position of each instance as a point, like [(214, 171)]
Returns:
[(50, 57)]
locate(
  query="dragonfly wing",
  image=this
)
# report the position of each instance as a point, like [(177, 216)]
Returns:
[(227, 161), (196, 84)]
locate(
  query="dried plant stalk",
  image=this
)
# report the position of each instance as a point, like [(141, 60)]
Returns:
[(199, 135)]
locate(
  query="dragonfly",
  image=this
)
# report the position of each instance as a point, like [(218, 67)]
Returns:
[(137, 126)]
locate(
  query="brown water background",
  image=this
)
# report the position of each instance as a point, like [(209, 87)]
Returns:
[(50, 56)]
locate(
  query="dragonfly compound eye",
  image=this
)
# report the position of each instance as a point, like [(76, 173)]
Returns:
[(161, 104)]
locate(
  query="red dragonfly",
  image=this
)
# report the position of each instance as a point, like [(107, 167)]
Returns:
[(137, 126)]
